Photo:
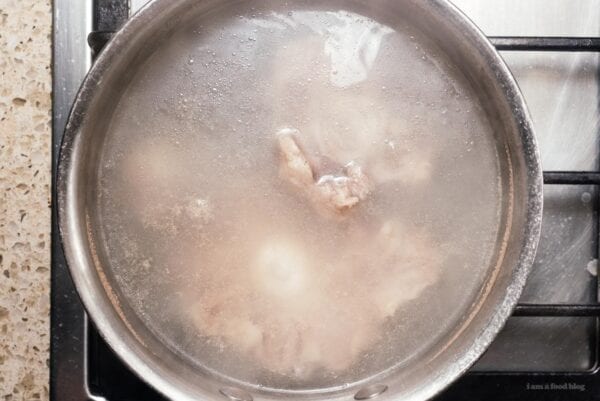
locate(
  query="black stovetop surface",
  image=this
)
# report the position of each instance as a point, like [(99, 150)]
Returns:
[(83, 367)]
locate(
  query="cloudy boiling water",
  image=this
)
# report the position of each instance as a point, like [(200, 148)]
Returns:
[(242, 270)]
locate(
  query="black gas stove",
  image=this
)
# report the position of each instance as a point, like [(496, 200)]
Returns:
[(549, 349)]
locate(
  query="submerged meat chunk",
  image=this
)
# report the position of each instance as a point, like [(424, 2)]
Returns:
[(295, 167), (280, 313), (295, 313), (353, 124), (412, 266), (344, 191), (359, 183), (336, 192)]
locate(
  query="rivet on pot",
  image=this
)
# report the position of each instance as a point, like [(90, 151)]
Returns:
[(235, 394), (370, 392)]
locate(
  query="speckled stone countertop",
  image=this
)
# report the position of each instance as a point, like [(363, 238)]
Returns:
[(25, 104)]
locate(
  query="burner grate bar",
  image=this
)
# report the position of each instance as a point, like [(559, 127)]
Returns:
[(99, 38), (557, 310), (548, 43), (572, 177)]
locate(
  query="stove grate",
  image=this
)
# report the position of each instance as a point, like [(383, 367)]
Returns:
[(83, 368)]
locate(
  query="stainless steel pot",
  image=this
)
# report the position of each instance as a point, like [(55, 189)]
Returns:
[(152, 360)]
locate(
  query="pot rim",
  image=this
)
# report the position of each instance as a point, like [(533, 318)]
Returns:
[(135, 355)]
